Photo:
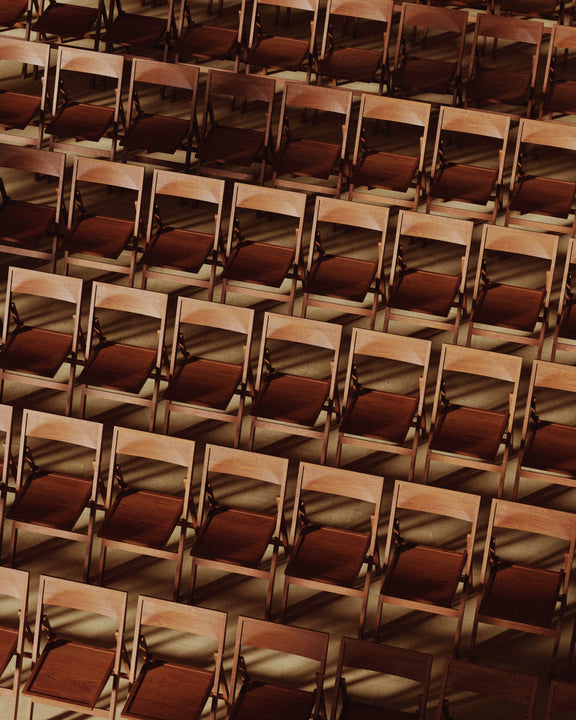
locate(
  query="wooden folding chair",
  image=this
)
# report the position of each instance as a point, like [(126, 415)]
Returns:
[(311, 155), (23, 103), (424, 577), (421, 292), (81, 675), (230, 144), (459, 185), (519, 592), (140, 516), (376, 163), (345, 279), (51, 498), (203, 382), (31, 229), (384, 662), (293, 402), (561, 699), (7, 466), (550, 197), (35, 345), (376, 416), (300, 699), (559, 89), (472, 435), (67, 22), (14, 633), (240, 536), (16, 14), (140, 33), (94, 238), (174, 688), (334, 558), (252, 264), (150, 133), (120, 370), (94, 126), (565, 330)]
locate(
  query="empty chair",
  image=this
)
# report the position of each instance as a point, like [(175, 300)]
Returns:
[(421, 576), (524, 592), (263, 256), (254, 693), (343, 278), (559, 87), (289, 400), (310, 154), (565, 331), (16, 14), (206, 383), (51, 499), (142, 515), (117, 367), (7, 466), (70, 670), (334, 558), (377, 411), (183, 234), (421, 292), (459, 185), (69, 21), (466, 430), (163, 685), (382, 661), (502, 307), (35, 350), (139, 33), (384, 122), (561, 699), (14, 633), (239, 535)]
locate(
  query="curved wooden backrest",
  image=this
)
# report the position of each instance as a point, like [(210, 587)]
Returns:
[(436, 18), (310, 644), (58, 428), (208, 314), (46, 285), (302, 330), (436, 500), (387, 659), (246, 464), (81, 596), (177, 616), (521, 242)]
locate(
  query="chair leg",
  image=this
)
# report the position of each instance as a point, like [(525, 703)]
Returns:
[(12, 550), (426, 468), (378, 620), (284, 600), (82, 407), (193, 579), (252, 434), (101, 563), (338, 454), (166, 419)]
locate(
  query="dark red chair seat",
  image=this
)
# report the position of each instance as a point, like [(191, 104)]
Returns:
[(312, 158), (35, 350), (508, 306), (380, 415), (262, 701), (156, 133), (467, 183), (22, 221), (385, 170), (426, 292), (341, 277), (179, 249), (291, 398), (530, 8), (8, 644), (561, 98), (227, 144), (278, 52), (11, 11), (260, 263), (99, 235), (206, 382), (551, 447), (81, 121), (543, 195), (499, 86), (18, 110), (354, 64), (134, 30), (66, 21), (207, 41), (472, 431), (424, 75), (118, 366)]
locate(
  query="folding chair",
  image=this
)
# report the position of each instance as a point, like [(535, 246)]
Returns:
[(149, 133), (165, 687), (204, 382), (504, 62), (417, 69), (36, 346), (230, 144), (7, 466), (547, 449), (71, 673), (31, 229), (293, 402), (303, 698), (559, 90), (120, 370), (140, 33), (526, 596), (509, 311), (561, 699), (383, 124), (96, 239), (471, 435), (51, 498), (424, 577), (342, 56), (373, 416), (434, 297), (476, 188), (16, 14), (142, 516), (334, 558), (514, 692), (240, 536), (94, 125), (311, 156), (550, 197), (69, 21), (382, 661), (183, 232), (14, 633), (344, 278), (565, 331), (252, 264), (23, 106)]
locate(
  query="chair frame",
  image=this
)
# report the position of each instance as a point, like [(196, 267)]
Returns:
[(133, 48), (15, 584), (94, 30), (9, 22), (562, 37), (7, 466), (565, 304)]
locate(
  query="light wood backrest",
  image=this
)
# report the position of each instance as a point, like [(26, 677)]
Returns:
[(191, 187), (292, 640), (567, 275), (106, 172), (542, 132), (58, 428), (213, 315), (521, 242), (532, 519), (152, 446), (342, 212), (249, 87), (475, 122), (90, 62), (563, 36), (385, 659), (486, 363), (554, 376), (310, 5), (302, 330), (246, 464), (434, 227), (25, 51), (317, 97), (81, 596), (155, 72), (35, 161), (273, 200), (177, 616), (337, 481), (46, 285), (14, 583), (400, 110), (6, 414), (436, 500), (435, 18), (510, 28), (127, 299), (390, 347)]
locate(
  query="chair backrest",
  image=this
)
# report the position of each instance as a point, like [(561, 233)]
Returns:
[(40, 162), (566, 288), (28, 52), (508, 28), (14, 583), (433, 17), (311, 6), (550, 376), (378, 12)]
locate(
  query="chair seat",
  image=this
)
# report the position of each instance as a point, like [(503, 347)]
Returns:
[(354, 64), (531, 8), (278, 52), (142, 518), (353, 710), (207, 41), (179, 249), (119, 367), (156, 133), (509, 306), (551, 447), (380, 415), (424, 75), (168, 691), (568, 322), (99, 235), (228, 144), (18, 110), (291, 398), (81, 671), (11, 11), (562, 98), (66, 21), (234, 535), (260, 263), (136, 30), (469, 431), (426, 292), (311, 158), (390, 171), (8, 644), (81, 121), (546, 196), (328, 554), (52, 500), (341, 277), (499, 86), (205, 382), (36, 350), (21, 221), (467, 183), (262, 701)]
